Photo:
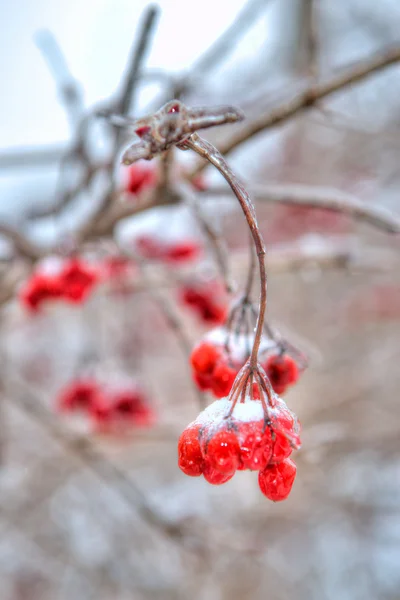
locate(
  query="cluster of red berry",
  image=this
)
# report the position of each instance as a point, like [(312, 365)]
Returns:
[(215, 367), (139, 177), (71, 280), (207, 300), (169, 252), (222, 441), (110, 408)]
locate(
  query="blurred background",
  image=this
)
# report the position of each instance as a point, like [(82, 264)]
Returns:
[(91, 514)]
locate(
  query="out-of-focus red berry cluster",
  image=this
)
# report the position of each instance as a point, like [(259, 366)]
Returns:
[(207, 300), (215, 367), (72, 281), (178, 252), (139, 177), (221, 441), (110, 408)]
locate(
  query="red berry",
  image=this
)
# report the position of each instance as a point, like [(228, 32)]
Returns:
[(276, 481), (204, 357), (222, 380), (216, 477), (255, 445), (190, 458), (182, 252), (38, 289), (79, 395), (203, 381), (282, 371), (286, 436), (77, 280), (223, 452)]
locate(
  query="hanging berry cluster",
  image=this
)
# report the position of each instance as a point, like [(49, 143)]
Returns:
[(230, 436), (251, 428), (218, 358), (110, 407)]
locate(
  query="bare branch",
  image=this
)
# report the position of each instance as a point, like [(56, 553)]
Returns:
[(221, 47), (216, 242), (68, 87), (321, 197), (136, 60), (37, 156), (21, 243), (308, 97)]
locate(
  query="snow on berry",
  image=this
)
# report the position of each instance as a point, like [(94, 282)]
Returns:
[(228, 437)]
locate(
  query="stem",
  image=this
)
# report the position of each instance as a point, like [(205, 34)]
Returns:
[(250, 274), (210, 153)]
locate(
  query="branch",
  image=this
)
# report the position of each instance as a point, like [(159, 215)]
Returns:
[(216, 242), (173, 320), (68, 87), (37, 156), (21, 243), (136, 59), (321, 197), (222, 46), (307, 98)]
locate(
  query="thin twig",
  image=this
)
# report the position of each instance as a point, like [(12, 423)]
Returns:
[(216, 242), (68, 87), (321, 197), (220, 48), (308, 97), (210, 153), (21, 243), (173, 320), (136, 59)]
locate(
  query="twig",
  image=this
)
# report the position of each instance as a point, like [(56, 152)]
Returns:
[(220, 48), (68, 87), (35, 156), (210, 153), (216, 242), (21, 243), (173, 320), (312, 41), (136, 59), (321, 197), (308, 97)]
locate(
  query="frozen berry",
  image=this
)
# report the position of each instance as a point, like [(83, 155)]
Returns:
[(276, 481), (282, 371), (190, 458), (223, 451), (216, 477), (255, 445), (204, 357), (222, 379)]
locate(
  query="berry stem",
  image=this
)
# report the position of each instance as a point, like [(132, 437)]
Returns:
[(210, 153)]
